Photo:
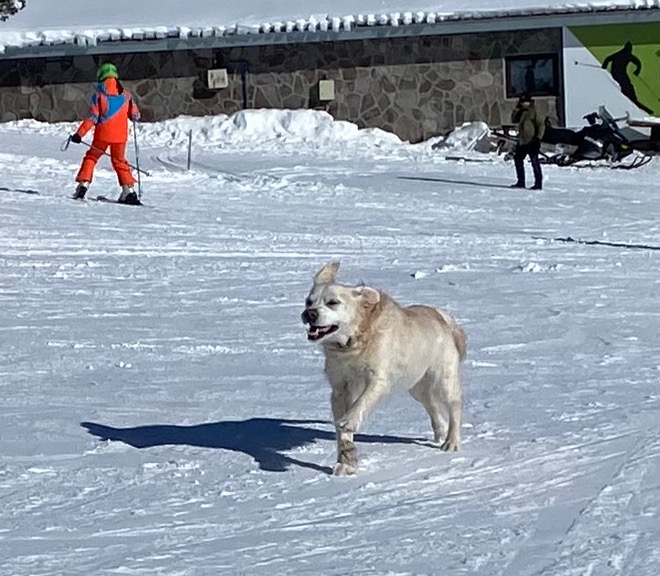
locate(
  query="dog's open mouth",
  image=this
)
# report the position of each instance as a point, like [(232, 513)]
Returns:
[(318, 332)]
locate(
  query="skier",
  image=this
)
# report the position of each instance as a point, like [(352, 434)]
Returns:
[(530, 132), (110, 109)]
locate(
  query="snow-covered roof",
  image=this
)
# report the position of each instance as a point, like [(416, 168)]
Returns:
[(90, 22)]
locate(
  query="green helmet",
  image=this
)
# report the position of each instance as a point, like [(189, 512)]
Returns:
[(107, 70)]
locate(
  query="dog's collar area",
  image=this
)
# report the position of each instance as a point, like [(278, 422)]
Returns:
[(350, 344)]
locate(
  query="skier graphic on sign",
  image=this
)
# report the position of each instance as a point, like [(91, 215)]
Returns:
[(619, 62)]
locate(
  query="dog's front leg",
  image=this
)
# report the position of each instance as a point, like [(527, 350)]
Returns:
[(375, 389), (346, 450)]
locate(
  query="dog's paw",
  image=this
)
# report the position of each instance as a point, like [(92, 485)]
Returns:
[(450, 445), (343, 469)]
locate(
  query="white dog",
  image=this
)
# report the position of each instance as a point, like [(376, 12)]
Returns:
[(372, 344)]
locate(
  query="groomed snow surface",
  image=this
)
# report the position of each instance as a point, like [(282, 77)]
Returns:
[(163, 414)]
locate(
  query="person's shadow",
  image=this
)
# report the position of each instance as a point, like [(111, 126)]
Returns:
[(264, 439), (454, 181)]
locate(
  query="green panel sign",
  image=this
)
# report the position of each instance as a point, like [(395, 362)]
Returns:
[(631, 53)]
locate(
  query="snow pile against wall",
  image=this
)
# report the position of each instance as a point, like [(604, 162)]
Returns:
[(260, 129), (77, 21), (247, 130), (465, 137)]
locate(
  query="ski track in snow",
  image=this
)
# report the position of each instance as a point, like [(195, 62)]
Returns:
[(163, 413)]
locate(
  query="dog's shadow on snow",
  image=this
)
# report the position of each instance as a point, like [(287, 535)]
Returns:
[(264, 439)]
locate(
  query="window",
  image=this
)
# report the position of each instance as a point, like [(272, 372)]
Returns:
[(536, 75)]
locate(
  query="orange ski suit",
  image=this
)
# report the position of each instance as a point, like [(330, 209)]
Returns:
[(110, 108)]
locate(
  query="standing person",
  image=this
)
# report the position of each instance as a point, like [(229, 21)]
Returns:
[(530, 131), (110, 109)]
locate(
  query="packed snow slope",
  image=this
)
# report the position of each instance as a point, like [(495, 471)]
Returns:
[(163, 414)]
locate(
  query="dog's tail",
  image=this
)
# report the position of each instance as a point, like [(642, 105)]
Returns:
[(457, 333), (460, 339)]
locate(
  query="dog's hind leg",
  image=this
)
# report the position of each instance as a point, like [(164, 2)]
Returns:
[(346, 450), (424, 394), (452, 397)]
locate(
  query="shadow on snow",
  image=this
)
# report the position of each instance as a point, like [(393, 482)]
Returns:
[(264, 439), (454, 181)]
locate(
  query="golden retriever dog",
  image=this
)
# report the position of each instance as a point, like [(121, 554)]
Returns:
[(372, 345)]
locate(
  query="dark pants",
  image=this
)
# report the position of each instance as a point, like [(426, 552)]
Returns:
[(531, 150)]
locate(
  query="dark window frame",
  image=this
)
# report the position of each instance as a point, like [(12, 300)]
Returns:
[(544, 86)]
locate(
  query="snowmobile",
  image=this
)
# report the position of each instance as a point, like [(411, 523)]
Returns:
[(600, 142)]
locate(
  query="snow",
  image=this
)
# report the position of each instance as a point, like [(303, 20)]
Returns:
[(164, 414), (464, 137), (91, 21)]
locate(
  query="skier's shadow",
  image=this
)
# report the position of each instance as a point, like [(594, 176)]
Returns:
[(452, 181), (264, 439)]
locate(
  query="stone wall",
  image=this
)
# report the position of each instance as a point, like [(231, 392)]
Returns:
[(416, 87)]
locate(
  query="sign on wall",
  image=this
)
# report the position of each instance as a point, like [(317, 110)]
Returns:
[(217, 78), (616, 66)]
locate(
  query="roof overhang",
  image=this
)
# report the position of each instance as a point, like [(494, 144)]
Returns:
[(457, 24)]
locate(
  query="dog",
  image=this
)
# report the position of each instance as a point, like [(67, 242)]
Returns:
[(371, 345)]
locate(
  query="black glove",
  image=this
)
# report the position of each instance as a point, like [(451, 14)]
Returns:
[(75, 138)]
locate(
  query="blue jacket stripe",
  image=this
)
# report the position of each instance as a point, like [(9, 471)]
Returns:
[(115, 104), (93, 105)]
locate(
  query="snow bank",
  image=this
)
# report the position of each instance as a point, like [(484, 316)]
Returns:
[(261, 127), (279, 131), (248, 129), (466, 137)]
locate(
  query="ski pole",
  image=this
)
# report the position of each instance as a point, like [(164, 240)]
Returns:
[(605, 71), (588, 65), (137, 159), (646, 84), (641, 80), (65, 146)]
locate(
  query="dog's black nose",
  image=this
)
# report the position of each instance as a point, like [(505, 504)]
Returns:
[(310, 316)]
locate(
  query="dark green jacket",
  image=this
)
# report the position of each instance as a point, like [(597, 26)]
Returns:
[(529, 122)]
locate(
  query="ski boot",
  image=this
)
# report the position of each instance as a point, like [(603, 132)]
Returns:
[(81, 190), (128, 196)]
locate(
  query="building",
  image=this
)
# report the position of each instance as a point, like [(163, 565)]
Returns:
[(416, 74)]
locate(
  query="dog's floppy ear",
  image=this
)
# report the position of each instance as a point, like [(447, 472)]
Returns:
[(368, 294), (328, 273)]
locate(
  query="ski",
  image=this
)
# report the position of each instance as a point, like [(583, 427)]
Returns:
[(107, 200), (111, 201)]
